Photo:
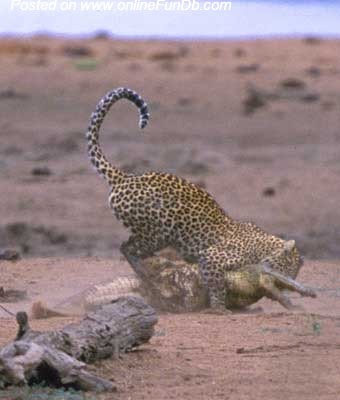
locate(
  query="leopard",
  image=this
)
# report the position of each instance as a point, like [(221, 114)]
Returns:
[(164, 210)]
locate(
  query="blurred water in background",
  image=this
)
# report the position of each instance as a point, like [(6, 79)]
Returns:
[(245, 19)]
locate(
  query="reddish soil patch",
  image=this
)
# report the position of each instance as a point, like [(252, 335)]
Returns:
[(266, 355)]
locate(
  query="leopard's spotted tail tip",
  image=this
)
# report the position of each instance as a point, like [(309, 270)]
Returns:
[(144, 119), (141, 104)]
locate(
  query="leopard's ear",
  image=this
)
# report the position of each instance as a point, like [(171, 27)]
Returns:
[(289, 245)]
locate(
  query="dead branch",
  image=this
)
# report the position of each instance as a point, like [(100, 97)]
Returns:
[(59, 357)]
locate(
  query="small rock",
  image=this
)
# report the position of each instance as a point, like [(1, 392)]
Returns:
[(12, 94), (253, 101), (239, 52), (247, 68), (315, 72), (310, 97), (165, 56), (77, 51), (41, 171), (184, 101), (312, 40), (269, 191), (7, 94), (293, 83), (17, 229), (9, 255)]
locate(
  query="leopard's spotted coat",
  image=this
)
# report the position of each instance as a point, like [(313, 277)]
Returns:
[(165, 210)]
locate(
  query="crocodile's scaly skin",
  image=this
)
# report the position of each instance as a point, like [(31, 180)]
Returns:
[(178, 286)]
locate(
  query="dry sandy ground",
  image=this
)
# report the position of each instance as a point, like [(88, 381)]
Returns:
[(276, 164), (268, 355)]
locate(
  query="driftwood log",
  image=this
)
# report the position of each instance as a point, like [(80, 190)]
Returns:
[(59, 358)]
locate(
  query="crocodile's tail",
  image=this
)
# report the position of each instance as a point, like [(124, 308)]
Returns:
[(111, 174)]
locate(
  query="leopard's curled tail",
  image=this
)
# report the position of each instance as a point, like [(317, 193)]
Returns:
[(110, 173)]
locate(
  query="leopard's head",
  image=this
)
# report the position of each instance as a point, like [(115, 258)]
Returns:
[(285, 259)]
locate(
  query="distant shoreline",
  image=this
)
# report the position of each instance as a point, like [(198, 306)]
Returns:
[(244, 21), (111, 36)]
